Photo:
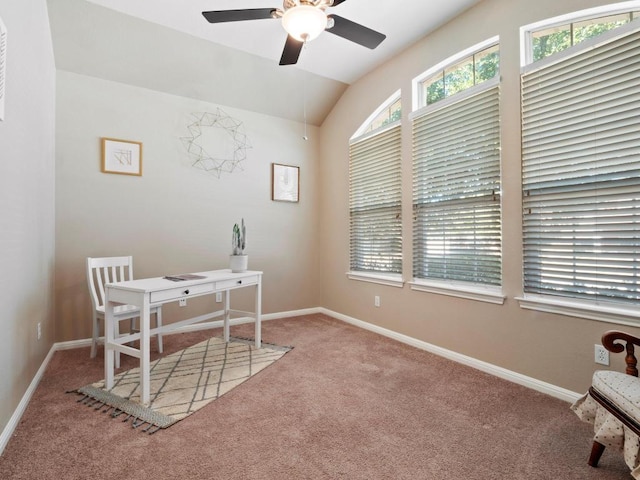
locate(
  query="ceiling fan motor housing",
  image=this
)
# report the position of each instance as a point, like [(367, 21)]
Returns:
[(304, 22)]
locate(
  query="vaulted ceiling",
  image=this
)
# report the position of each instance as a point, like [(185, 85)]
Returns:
[(168, 46)]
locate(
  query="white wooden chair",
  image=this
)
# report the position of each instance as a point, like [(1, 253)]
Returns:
[(101, 271)]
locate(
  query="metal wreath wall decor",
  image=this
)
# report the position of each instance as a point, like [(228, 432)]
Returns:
[(216, 143)]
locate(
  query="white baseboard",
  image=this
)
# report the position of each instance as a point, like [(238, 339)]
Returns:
[(8, 430), (529, 382)]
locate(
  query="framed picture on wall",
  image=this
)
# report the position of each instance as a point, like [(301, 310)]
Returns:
[(121, 156), (285, 183)]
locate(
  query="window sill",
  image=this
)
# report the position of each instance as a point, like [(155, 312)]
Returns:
[(389, 280), (581, 309), (470, 292)]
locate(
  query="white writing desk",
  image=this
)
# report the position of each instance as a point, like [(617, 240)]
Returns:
[(148, 292)]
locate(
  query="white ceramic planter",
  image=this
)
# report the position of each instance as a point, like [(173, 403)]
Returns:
[(238, 263)]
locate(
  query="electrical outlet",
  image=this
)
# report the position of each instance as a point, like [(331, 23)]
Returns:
[(182, 302), (219, 297), (39, 330), (376, 301), (601, 355)]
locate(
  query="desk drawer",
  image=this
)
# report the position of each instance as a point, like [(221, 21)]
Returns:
[(239, 282), (180, 292)]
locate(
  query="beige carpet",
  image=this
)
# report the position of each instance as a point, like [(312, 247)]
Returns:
[(344, 404), (181, 383)]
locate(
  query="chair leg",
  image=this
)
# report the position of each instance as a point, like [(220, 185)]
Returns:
[(159, 325), (596, 453), (116, 334), (132, 327), (94, 340)]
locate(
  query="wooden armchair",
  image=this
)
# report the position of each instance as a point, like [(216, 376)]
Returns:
[(612, 404)]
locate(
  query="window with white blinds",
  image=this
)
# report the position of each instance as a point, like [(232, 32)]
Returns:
[(581, 174), (456, 190), (375, 202)]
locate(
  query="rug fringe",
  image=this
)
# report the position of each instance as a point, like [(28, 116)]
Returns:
[(114, 406)]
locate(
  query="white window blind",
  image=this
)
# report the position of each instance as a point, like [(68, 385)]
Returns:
[(581, 174), (456, 191), (375, 202)]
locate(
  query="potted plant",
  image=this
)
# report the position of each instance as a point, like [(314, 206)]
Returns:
[(238, 260)]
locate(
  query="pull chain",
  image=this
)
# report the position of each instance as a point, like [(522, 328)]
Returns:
[(304, 101), (304, 110)]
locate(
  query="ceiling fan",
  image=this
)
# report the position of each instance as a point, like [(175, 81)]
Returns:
[(303, 21)]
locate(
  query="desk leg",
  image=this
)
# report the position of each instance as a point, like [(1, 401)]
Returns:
[(227, 308), (109, 354), (145, 362), (258, 312)]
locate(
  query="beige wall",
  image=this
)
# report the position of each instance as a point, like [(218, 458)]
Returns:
[(26, 200), (175, 218), (552, 348)]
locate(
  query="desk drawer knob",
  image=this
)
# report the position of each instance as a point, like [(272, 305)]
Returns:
[(239, 282), (186, 292)]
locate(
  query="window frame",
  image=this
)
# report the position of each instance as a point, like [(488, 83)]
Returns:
[(479, 292), (527, 31), (362, 134), (419, 101), (610, 312)]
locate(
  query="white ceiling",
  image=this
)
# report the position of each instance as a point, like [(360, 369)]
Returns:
[(167, 45), (402, 21)]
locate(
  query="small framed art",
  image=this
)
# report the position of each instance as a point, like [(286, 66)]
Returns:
[(121, 156), (285, 183)]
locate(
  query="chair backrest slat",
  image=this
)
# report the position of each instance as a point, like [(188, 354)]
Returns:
[(101, 271)]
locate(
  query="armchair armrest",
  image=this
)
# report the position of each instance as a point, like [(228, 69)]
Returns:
[(609, 342)]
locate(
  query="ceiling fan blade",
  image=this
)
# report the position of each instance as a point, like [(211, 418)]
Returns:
[(355, 32), (291, 52), (337, 2), (220, 16)]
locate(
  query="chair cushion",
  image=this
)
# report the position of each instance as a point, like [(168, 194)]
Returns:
[(621, 389)]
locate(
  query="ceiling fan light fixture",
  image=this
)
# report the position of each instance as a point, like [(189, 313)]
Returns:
[(304, 22)]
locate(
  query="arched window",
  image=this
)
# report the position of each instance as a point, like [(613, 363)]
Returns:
[(581, 160), (385, 115), (456, 180), (375, 203), (551, 37), (459, 73)]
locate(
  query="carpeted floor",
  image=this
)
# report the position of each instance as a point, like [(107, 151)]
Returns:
[(343, 404)]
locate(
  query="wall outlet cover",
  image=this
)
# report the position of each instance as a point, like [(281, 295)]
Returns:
[(601, 355)]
